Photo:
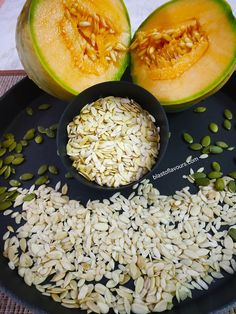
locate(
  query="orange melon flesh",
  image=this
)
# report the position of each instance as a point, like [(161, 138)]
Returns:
[(69, 45), (203, 67)]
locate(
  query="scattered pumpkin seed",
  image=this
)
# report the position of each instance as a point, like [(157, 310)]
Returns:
[(14, 183), (232, 233), (50, 133), (232, 175), (2, 151), (227, 125), (8, 136), (188, 138), (228, 114), (206, 150), (231, 186), (215, 175), (53, 127), (41, 129), (53, 169), (7, 172), (29, 135), (216, 149), (231, 149), (198, 175), (8, 160), (213, 127), (3, 169), (26, 176), (44, 107), (18, 161), (41, 180), (5, 205), (222, 144), (42, 169), (19, 148), (13, 171), (3, 189), (29, 111), (215, 166), (195, 146), (24, 143), (12, 147), (38, 139), (68, 175), (29, 197), (206, 141), (219, 184), (1, 163), (200, 109), (7, 143), (202, 181)]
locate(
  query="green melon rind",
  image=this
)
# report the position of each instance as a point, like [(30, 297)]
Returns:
[(41, 73), (216, 84)]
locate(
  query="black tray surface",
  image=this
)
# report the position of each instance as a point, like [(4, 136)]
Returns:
[(222, 293)]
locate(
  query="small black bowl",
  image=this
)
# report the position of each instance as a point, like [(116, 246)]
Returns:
[(119, 89)]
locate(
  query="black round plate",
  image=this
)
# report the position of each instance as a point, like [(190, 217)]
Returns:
[(221, 294)]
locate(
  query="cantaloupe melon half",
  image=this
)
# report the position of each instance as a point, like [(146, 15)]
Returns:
[(184, 51), (66, 46)]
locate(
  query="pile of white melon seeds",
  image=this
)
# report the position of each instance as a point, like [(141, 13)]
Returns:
[(87, 256)]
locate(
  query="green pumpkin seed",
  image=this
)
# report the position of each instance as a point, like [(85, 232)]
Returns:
[(42, 169), (41, 129), (7, 173), (188, 138), (232, 175), (215, 175), (3, 189), (19, 148), (228, 114), (215, 166), (44, 107), (227, 125), (53, 169), (29, 197), (41, 180), (3, 169), (26, 176), (232, 233), (15, 183), (18, 161), (29, 135), (5, 205), (222, 144), (14, 196), (8, 136), (38, 139), (8, 143), (68, 175), (206, 150), (200, 109), (202, 181), (1, 163), (213, 127), (216, 149), (29, 111), (206, 141), (12, 147), (231, 186), (219, 184), (2, 151), (53, 127), (8, 160), (13, 171), (195, 146), (50, 133), (24, 143), (198, 175)]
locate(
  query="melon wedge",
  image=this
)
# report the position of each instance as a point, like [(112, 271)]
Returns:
[(185, 51), (66, 46)]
